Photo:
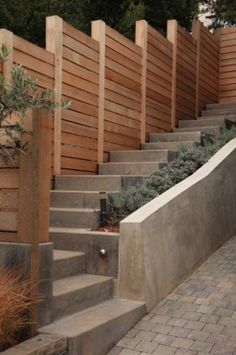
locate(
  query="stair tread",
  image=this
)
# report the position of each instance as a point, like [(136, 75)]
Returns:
[(134, 163), (193, 129), (64, 254), (74, 209), (84, 321), (180, 142), (80, 192), (136, 151), (77, 282), (79, 231)]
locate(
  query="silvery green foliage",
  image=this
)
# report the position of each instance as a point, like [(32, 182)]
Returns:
[(188, 161), (18, 95)]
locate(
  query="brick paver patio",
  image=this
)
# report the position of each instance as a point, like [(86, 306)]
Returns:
[(199, 317)]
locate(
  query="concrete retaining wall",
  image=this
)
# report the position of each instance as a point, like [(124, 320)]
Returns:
[(162, 242)]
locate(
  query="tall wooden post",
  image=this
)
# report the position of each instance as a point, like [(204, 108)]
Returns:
[(54, 38), (172, 32), (196, 31), (99, 33), (6, 38), (141, 38), (34, 194), (34, 178)]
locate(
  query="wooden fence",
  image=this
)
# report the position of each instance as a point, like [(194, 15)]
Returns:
[(227, 72), (25, 185), (121, 91)]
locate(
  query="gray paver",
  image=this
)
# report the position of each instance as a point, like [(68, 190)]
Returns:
[(197, 318)]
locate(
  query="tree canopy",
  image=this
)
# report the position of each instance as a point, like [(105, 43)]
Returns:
[(26, 18), (222, 12)]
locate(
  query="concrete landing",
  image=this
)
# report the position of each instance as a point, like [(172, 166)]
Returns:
[(199, 317)]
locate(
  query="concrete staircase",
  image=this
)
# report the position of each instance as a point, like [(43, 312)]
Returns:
[(85, 310)]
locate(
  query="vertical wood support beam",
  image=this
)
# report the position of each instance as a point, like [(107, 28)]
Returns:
[(99, 34), (35, 179), (6, 38), (196, 31), (141, 38), (172, 36), (34, 195), (217, 35), (54, 43)]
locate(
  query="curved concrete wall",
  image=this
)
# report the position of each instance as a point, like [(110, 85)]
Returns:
[(162, 242)]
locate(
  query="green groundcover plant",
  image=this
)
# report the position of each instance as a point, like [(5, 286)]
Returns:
[(188, 161)]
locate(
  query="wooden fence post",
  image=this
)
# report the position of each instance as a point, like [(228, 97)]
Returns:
[(34, 195), (54, 38), (141, 38), (172, 32), (98, 33), (34, 179), (196, 32), (6, 38)]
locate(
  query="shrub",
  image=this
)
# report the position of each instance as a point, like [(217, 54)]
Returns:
[(15, 309), (188, 161)]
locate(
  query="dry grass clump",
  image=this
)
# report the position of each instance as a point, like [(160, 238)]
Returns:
[(15, 309)]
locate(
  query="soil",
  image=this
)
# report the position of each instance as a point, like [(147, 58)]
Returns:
[(109, 229)]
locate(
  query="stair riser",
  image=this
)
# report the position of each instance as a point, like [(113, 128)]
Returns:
[(175, 137), (88, 183), (202, 123), (223, 113), (142, 156), (221, 107), (91, 244), (169, 145), (74, 219), (129, 169), (214, 131), (101, 339), (69, 267), (75, 199), (79, 300)]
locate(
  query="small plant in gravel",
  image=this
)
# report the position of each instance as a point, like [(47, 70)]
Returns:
[(188, 161)]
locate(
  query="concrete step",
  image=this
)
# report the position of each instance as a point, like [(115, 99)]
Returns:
[(176, 137), (138, 168), (204, 122), (67, 263), (74, 217), (213, 130), (76, 199), (96, 330), (221, 106), (76, 293), (220, 113), (88, 183), (95, 182), (170, 145), (142, 156), (90, 243)]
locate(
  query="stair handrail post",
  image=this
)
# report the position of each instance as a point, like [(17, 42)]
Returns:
[(172, 32), (54, 44), (141, 38), (99, 34)]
